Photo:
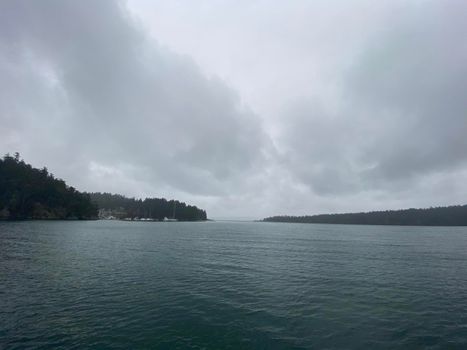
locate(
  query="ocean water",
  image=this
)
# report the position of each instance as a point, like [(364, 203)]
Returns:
[(218, 285)]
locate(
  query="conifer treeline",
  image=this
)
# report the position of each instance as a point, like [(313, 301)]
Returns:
[(154, 208), (30, 193), (439, 216)]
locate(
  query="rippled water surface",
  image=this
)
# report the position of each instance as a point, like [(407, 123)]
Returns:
[(214, 285)]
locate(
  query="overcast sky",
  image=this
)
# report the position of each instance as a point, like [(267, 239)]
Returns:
[(245, 108)]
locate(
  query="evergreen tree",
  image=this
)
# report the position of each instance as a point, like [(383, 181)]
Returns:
[(441, 216), (153, 208), (30, 193)]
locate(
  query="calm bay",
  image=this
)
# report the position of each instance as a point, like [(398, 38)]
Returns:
[(231, 285)]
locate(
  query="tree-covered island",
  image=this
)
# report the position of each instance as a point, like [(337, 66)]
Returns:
[(440, 216), (31, 193)]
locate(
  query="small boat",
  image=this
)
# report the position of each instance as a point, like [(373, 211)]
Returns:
[(169, 220), (166, 219)]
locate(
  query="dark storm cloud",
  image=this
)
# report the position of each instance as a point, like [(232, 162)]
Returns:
[(82, 84)]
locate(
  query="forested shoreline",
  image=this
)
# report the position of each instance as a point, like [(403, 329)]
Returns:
[(116, 206), (31, 193), (28, 193), (439, 216)]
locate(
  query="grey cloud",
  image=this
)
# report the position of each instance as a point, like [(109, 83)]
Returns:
[(402, 115), (362, 105), (318, 147), (413, 82), (118, 100)]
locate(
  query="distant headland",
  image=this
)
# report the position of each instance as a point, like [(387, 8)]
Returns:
[(440, 216), (35, 194), (115, 206)]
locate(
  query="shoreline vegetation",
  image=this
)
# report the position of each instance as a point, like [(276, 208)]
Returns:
[(118, 207), (455, 215), (28, 193)]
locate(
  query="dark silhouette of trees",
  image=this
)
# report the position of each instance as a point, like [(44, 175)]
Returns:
[(153, 208), (30, 193), (439, 216)]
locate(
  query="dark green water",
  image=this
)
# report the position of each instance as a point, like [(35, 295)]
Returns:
[(118, 285)]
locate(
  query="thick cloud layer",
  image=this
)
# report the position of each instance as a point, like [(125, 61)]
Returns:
[(402, 114), (85, 92), (244, 108)]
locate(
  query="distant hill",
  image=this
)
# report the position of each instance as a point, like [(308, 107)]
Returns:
[(439, 216), (30, 193), (118, 206)]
